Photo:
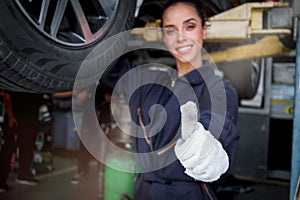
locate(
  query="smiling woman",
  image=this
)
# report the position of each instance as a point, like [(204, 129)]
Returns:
[(183, 35), (42, 43)]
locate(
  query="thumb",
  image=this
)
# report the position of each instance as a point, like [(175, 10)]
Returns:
[(189, 118)]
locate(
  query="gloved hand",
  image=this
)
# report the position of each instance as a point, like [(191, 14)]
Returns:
[(198, 151)]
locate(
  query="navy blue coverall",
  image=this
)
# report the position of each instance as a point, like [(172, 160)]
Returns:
[(163, 175)]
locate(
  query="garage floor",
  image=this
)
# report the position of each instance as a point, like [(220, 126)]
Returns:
[(56, 185)]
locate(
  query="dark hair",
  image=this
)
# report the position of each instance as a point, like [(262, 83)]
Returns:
[(194, 3)]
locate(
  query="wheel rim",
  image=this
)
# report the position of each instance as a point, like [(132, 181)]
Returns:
[(71, 22)]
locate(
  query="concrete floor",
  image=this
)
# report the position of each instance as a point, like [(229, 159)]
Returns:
[(56, 185)]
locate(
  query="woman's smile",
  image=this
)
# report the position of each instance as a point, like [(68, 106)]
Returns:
[(184, 49)]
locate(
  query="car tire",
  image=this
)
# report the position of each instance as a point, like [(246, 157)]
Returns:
[(32, 61), (244, 75)]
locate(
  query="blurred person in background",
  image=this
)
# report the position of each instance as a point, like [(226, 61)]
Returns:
[(26, 109), (64, 135), (102, 107), (7, 124)]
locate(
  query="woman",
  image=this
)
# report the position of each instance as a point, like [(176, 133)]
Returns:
[(196, 115), (189, 176)]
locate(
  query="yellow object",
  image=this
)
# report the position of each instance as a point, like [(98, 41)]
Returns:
[(242, 22), (265, 47)]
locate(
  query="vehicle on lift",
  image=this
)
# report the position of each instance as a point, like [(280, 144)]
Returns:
[(43, 43)]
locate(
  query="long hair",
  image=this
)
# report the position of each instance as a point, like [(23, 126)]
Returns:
[(194, 3)]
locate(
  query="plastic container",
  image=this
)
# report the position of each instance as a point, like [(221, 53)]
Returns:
[(120, 174)]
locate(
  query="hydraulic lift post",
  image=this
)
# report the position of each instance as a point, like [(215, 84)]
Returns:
[(295, 169)]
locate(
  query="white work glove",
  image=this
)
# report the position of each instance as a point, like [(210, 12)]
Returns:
[(202, 155)]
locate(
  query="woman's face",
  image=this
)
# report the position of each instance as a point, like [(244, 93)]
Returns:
[(183, 33)]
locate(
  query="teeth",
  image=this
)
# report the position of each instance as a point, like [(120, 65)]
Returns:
[(184, 48)]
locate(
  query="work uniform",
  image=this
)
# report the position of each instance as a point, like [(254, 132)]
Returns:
[(156, 128)]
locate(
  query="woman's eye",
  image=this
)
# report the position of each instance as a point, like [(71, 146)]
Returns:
[(170, 32), (190, 27)]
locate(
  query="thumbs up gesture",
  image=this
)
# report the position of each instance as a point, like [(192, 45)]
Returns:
[(202, 155), (189, 119)]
